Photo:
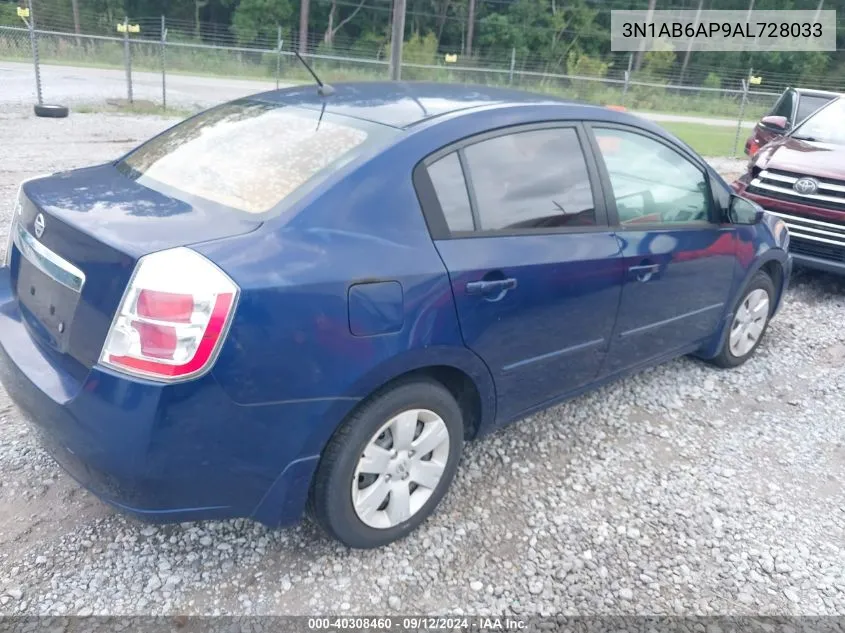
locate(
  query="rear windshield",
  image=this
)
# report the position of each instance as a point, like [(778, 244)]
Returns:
[(247, 155)]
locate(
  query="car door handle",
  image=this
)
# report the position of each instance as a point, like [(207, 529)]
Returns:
[(488, 287), (644, 272)]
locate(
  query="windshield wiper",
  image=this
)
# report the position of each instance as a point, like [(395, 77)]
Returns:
[(812, 139)]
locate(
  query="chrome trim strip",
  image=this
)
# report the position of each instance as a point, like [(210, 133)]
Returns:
[(823, 184), (831, 187), (814, 238), (47, 261), (813, 230), (798, 218), (770, 176), (791, 192)]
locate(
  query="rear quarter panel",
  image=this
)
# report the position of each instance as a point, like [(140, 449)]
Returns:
[(291, 339)]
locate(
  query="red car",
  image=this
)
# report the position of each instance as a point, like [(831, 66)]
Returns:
[(793, 107), (800, 177)]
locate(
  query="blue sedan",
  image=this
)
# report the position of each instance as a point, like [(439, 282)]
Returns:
[(308, 301)]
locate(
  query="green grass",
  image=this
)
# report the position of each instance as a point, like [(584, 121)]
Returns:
[(708, 140), (122, 106)]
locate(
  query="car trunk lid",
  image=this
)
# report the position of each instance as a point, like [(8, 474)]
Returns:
[(78, 236)]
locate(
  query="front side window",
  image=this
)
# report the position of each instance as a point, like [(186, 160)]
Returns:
[(784, 106), (808, 104), (651, 182), (246, 155), (825, 126), (532, 179)]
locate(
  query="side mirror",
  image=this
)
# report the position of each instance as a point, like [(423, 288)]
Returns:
[(775, 123), (744, 211)]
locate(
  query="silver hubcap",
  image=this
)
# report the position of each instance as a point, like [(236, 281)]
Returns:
[(749, 322), (400, 468)]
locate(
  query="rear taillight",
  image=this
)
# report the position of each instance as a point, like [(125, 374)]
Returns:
[(17, 210), (173, 317)]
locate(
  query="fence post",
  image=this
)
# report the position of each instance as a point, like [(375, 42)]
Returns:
[(127, 61), (745, 84), (513, 64), (33, 38), (397, 39), (279, 42), (163, 64), (627, 78)]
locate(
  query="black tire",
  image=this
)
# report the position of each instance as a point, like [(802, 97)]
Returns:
[(331, 502), (726, 358), (51, 111)]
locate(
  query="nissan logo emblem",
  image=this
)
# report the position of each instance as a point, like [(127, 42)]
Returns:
[(39, 225), (806, 186)]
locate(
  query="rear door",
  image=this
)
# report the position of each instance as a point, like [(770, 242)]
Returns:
[(519, 221), (679, 259)]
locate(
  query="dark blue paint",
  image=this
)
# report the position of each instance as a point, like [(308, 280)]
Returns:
[(532, 339), (376, 308), (682, 301), (343, 292)]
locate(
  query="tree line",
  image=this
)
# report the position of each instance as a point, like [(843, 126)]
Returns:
[(560, 36)]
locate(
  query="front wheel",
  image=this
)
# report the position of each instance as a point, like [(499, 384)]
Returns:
[(750, 320), (389, 465)]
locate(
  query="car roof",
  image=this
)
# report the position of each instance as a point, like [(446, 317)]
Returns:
[(401, 104), (817, 93)]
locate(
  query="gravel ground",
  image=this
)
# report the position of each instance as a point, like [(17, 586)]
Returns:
[(681, 490)]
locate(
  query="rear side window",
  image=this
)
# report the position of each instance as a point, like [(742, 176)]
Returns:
[(531, 179), (449, 184), (245, 155), (807, 105)]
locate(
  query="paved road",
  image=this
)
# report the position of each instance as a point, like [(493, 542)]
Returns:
[(78, 85)]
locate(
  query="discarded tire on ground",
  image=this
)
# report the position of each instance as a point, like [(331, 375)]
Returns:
[(51, 111)]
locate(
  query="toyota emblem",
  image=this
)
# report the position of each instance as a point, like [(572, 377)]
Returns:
[(806, 186), (39, 225)]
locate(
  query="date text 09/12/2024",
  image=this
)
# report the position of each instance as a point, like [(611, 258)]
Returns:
[(751, 30), (417, 623)]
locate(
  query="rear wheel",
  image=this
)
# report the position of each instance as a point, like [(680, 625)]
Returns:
[(388, 467), (750, 320)]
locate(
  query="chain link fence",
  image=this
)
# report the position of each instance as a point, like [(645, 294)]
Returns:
[(162, 69)]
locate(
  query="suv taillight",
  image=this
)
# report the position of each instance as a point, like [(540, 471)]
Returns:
[(173, 317)]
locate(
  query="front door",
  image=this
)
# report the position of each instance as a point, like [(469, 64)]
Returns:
[(535, 270), (679, 260)]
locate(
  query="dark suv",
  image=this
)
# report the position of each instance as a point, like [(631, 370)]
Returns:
[(793, 107), (800, 177)]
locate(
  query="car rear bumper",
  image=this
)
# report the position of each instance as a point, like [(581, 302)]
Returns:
[(161, 452)]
